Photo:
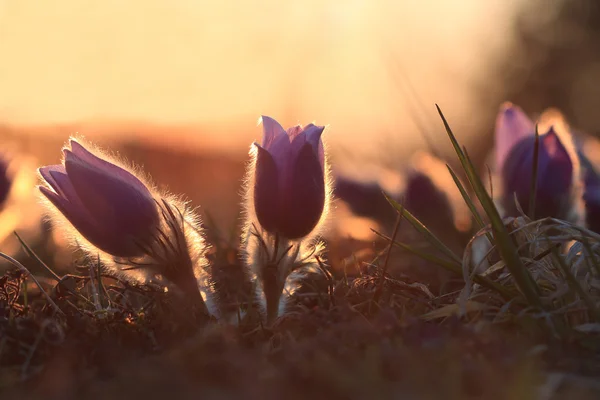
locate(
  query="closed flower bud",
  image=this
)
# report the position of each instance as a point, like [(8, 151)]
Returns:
[(289, 184), (554, 176), (138, 233), (287, 197), (512, 125), (557, 168), (108, 206)]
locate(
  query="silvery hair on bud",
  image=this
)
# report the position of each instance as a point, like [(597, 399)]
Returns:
[(176, 254)]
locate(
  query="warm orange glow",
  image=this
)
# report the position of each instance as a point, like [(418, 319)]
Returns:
[(219, 65)]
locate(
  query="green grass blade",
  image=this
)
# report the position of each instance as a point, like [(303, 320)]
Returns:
[(32, 254), (503, 241), (468, 200), (534, 174), (451, 266), (379, 290), (421, 228)]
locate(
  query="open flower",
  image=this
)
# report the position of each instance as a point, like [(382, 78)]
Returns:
[(557, 167), (106, 204), (289, 185)]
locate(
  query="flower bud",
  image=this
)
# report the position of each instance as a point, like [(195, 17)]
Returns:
[(289, 179), (557, 166), (512, 125), (106, 204), (554, 176)]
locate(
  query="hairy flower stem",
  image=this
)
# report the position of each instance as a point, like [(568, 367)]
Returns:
[(271, 261), (272, 289)]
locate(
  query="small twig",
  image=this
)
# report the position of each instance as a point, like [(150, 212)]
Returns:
[(95, 296), (543, 254), (489, 171), (284, 253), (32, 254), (329, 280), (25, 296), (101, 288), (25, 270), (379, 289)]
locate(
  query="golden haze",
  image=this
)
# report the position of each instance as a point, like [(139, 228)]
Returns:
[(214, 67)]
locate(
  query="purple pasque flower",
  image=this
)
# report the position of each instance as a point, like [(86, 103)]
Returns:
[(512, 125), (289, 185), (106, 204), (515, 146)]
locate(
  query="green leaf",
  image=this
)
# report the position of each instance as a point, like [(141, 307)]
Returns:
[(418, 225), (503, 241)]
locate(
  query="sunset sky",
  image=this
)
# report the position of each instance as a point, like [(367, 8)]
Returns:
[(224, 63)]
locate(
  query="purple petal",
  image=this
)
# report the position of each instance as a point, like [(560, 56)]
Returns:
[(266, 190), (277, 143), (512, 125), (554, 176), (114, 170), (65, 188), (313, 136), (57, 178), (281, 151), (555, 163), (303, 197), (80, 219), (297, 144), (553, 146), (556, 180), (272, 131), (74, 214), (124, 210), (294, 131), (45, 172)]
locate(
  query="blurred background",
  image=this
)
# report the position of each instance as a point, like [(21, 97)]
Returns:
[(178, 85)]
